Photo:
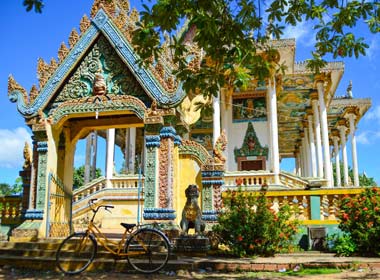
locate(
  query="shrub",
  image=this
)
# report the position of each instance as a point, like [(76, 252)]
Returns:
[(342, 245), (360, 217), (249, 227)]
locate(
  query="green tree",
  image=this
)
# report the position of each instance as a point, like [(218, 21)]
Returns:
[(234, 36), (78, 176), (7, 189), (364, 181)]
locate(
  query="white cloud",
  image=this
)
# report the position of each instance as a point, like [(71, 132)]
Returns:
[(373, 49), (303, 32), (373, 115), (11, 146), (367, 137)]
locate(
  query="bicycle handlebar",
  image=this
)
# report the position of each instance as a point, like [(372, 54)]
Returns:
[(95, 209)]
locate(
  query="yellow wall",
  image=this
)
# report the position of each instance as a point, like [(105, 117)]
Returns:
[(189, 173)]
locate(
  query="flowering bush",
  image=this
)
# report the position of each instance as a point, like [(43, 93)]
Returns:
[(248, 226), (360, 217)]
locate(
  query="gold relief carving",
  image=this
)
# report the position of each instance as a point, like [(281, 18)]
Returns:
[(279, 87), (73, 38), (134, 16), (352, 110), (84, 24), (121, 20), (342, 122), (219, 148), (62, 53), (33, 93), (53, 66), (163, 173), (43, 72), (314, 95), (13, 85), (108, 6)]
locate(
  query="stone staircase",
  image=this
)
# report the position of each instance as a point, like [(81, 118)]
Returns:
[(40, 255)]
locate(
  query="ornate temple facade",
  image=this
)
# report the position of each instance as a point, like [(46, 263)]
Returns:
[(96, 88)]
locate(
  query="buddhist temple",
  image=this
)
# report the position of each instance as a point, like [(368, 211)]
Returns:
[(96, 89)]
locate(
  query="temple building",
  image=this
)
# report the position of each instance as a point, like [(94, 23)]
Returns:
[(97, 90)]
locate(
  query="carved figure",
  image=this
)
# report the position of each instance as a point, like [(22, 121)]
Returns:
[(27, 156), (191, 213), (220, 146), (99, 87)]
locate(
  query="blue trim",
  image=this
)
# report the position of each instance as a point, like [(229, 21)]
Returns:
[(42, 146), (212, 182), (152, 141), (159, 214), (178, 140), (33, 214), (211, 216), (100, 24), (168, 132), (212, 173)]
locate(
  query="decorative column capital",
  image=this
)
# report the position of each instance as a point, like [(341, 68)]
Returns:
[(314, 96)]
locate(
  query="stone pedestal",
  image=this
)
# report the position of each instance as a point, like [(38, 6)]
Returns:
[(191, 244)]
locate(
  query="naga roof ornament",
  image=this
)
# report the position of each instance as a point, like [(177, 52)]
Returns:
[(115, 21)]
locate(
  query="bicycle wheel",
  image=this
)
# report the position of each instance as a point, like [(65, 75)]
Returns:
[(76, 253), (148, 250)]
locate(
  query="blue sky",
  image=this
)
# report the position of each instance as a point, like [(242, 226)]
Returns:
[(27, 36)]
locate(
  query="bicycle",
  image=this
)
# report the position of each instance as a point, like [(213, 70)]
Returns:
[(147, 249)]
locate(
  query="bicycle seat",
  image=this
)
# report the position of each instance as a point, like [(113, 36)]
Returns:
[(128, 226)]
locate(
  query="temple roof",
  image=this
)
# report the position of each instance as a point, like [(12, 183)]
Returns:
[(115, 21)]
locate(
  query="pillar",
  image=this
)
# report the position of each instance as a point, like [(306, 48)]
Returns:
[(94, 152), (110, 153), (132, 149), (317, 127), (312, 146), (325, 132), (87, 163), (271, 91), (216, 118), (337, 161), (342, 131), (351, 118)]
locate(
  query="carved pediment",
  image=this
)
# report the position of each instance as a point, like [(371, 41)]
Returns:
[(251, 145)]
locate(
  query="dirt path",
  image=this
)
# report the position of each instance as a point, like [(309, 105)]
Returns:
[(12, 274)]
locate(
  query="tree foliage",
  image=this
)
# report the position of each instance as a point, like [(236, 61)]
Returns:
[(364, 180), (78, 176), (7, 189), (234, 35)]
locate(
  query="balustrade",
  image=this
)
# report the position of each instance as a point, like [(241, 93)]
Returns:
[(10, 209)]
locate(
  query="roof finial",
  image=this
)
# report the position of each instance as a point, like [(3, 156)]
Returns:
[(349, 90)]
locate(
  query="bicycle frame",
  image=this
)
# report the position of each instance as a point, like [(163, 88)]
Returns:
[(106, 242)]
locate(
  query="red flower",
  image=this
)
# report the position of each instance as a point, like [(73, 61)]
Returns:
[(365, 209), (239, 238), (345, 216), (376, 208)]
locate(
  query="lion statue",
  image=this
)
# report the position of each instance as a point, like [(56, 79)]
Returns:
[(191, 213)]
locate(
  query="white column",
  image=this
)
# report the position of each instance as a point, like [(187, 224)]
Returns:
[(337, 161), (216, 118), (317, 126), (110, 153), (325, 132), (352, 118), (307, 152), (271, 91), (312, 146), (132, 149), (342, 130), (302, 159)]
